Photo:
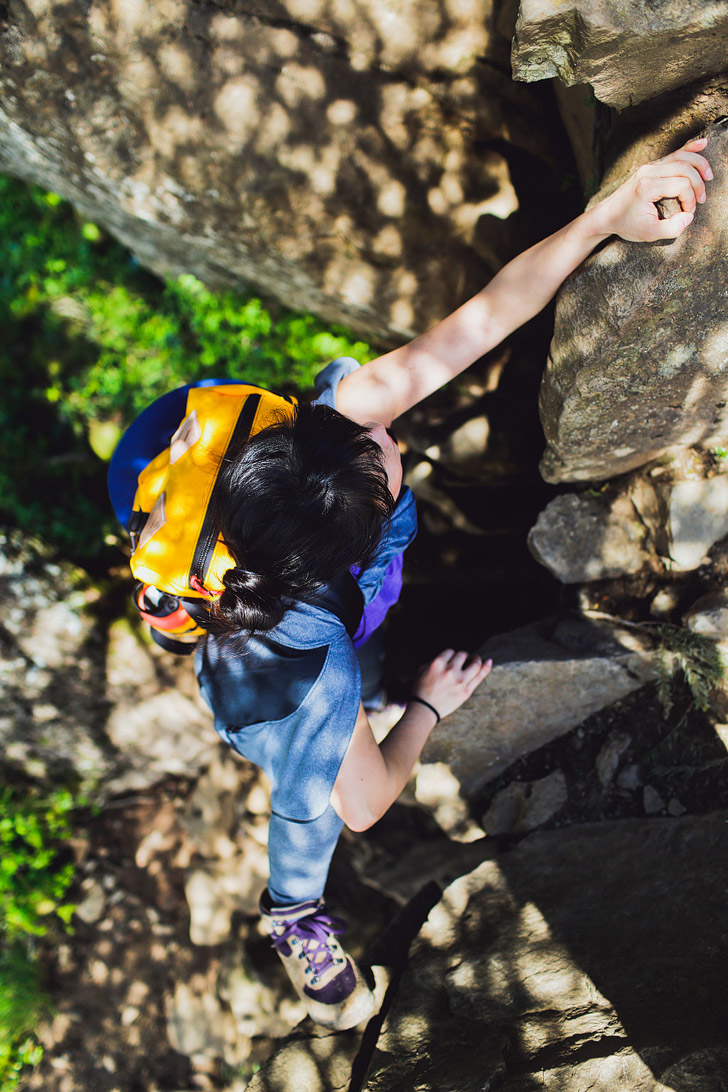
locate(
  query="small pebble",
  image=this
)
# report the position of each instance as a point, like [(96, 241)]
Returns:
[(629, 778), (93, 904), (652, 801)]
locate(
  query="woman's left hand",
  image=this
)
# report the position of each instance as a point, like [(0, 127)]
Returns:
[(631, 211), (450, 680)]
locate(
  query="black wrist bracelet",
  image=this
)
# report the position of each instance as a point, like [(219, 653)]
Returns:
[(427, 705)]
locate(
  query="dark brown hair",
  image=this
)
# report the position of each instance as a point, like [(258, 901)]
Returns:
[(298, 505)]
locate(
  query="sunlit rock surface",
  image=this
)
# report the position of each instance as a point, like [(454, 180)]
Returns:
[(589, 957), (639, 358), (48, 666), (627, 52), (655, 127), (581, 538), (311, 1060), (709, 616), (698, 518), (673, 515), (352, 160), (547, 679)]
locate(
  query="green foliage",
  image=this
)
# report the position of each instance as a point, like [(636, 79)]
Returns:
[(235, 1074), (34, 881), (696, 657), (719, 454), (90, 338), (22, 1003)]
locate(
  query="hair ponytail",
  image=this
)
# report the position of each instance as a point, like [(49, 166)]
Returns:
[(249, 602)]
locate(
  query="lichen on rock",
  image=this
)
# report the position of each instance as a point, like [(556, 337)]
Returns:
[(636, 366)]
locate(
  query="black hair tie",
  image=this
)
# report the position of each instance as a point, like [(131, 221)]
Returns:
[(427, 705)]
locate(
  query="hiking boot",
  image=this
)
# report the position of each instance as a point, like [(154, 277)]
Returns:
[(323, 975)]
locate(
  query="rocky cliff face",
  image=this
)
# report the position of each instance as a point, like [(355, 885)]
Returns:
[(559, 964), (634, 380), (354, 160), (82, 702)]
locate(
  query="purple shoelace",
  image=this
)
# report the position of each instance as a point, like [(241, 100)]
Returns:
[(313, 932)]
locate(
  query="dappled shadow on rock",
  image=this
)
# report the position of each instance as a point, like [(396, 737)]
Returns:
[(352, 162), (589, 956)]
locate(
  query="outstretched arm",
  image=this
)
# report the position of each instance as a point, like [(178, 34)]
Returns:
[(391, 384)]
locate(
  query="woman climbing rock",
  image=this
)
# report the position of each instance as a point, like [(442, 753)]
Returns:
[(311, 519)]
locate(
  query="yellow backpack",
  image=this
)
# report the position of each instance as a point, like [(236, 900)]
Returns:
[(177, 557)]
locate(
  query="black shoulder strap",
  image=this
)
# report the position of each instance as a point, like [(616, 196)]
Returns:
[(343, 598), (209, 532)]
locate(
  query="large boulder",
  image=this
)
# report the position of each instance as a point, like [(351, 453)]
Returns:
[(640, 343), (674, 515), (590, 957), (581, 538), (346, 159), (547, 679), (627, 52)]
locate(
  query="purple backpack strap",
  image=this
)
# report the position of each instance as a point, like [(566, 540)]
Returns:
[(376, 610)]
